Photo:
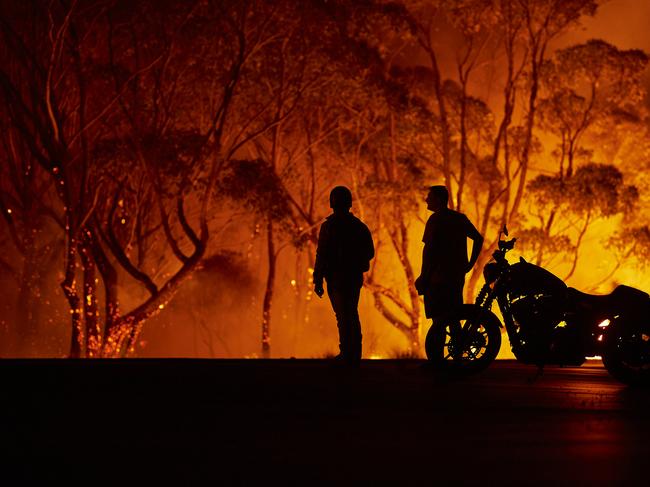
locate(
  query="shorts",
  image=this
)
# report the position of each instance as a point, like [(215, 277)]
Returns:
[(443, 297)]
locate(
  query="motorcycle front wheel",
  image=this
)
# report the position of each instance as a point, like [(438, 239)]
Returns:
[(627, 354), (464, 341)]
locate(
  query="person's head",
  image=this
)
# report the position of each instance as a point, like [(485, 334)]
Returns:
[(340, 199), (437, 198)]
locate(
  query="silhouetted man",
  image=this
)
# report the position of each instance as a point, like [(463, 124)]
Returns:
[(344, 252), (444, 258)]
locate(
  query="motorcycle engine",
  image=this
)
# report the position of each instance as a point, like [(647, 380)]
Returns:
[(536, 312), (543, 332)]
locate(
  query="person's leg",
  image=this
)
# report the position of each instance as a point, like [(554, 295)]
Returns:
[(440, 300), (337, 298), (353, 323), (344, 297)]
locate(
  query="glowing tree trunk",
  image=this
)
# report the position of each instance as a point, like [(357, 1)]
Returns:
[(268, 293), (386, 300)]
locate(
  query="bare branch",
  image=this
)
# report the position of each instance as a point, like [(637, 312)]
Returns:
[(117, 250), (379, 290), (184, 223), (390, 316)]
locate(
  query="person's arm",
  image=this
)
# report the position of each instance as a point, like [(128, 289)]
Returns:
[(320, 264), (425, 272), (370, 246), (477, 244), (427, 260)]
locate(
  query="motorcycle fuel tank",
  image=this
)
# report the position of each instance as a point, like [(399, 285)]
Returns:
[(528, 279)]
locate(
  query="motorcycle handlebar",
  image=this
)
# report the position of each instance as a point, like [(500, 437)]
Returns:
[(507, 244)]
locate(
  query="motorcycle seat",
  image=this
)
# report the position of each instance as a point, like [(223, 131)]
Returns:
[(590, 300), (620, 298)]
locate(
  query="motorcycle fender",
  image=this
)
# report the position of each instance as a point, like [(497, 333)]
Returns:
[(619, 327), (489, 315), (618, 324)]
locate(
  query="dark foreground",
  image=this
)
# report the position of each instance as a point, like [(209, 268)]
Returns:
[(294, 422)]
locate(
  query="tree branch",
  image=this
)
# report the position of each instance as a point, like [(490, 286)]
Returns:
[(116, 249)]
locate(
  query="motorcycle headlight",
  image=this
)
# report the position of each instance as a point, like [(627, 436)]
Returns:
[(491, 272)]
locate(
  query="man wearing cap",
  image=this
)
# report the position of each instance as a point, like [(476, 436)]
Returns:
[(344, 252)]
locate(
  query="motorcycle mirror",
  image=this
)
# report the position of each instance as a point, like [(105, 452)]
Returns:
[(505, 230)]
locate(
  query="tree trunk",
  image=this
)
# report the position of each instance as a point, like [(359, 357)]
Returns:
[(69, 289), (463, 147), (414, 338), (442, 112), (268, 293), (109, 281), (91, 312), (537, 58)]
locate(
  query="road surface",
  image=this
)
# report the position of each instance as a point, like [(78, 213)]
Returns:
[(304, 422)]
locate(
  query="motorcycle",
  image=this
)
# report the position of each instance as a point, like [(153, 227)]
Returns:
[(547, 323)]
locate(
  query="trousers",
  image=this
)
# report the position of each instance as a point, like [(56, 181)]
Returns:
[(344, 294)]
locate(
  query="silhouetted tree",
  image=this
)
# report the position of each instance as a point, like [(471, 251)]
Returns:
[(312, 61), (589, 86), (83, 80), (592, 192), (522, 31)]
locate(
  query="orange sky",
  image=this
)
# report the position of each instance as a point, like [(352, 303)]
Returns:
[(623, 23)]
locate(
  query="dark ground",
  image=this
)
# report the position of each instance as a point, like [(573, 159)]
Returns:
[(303, 422)]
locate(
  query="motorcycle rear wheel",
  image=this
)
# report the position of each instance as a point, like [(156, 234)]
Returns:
[(627, 354), (464, 341)]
